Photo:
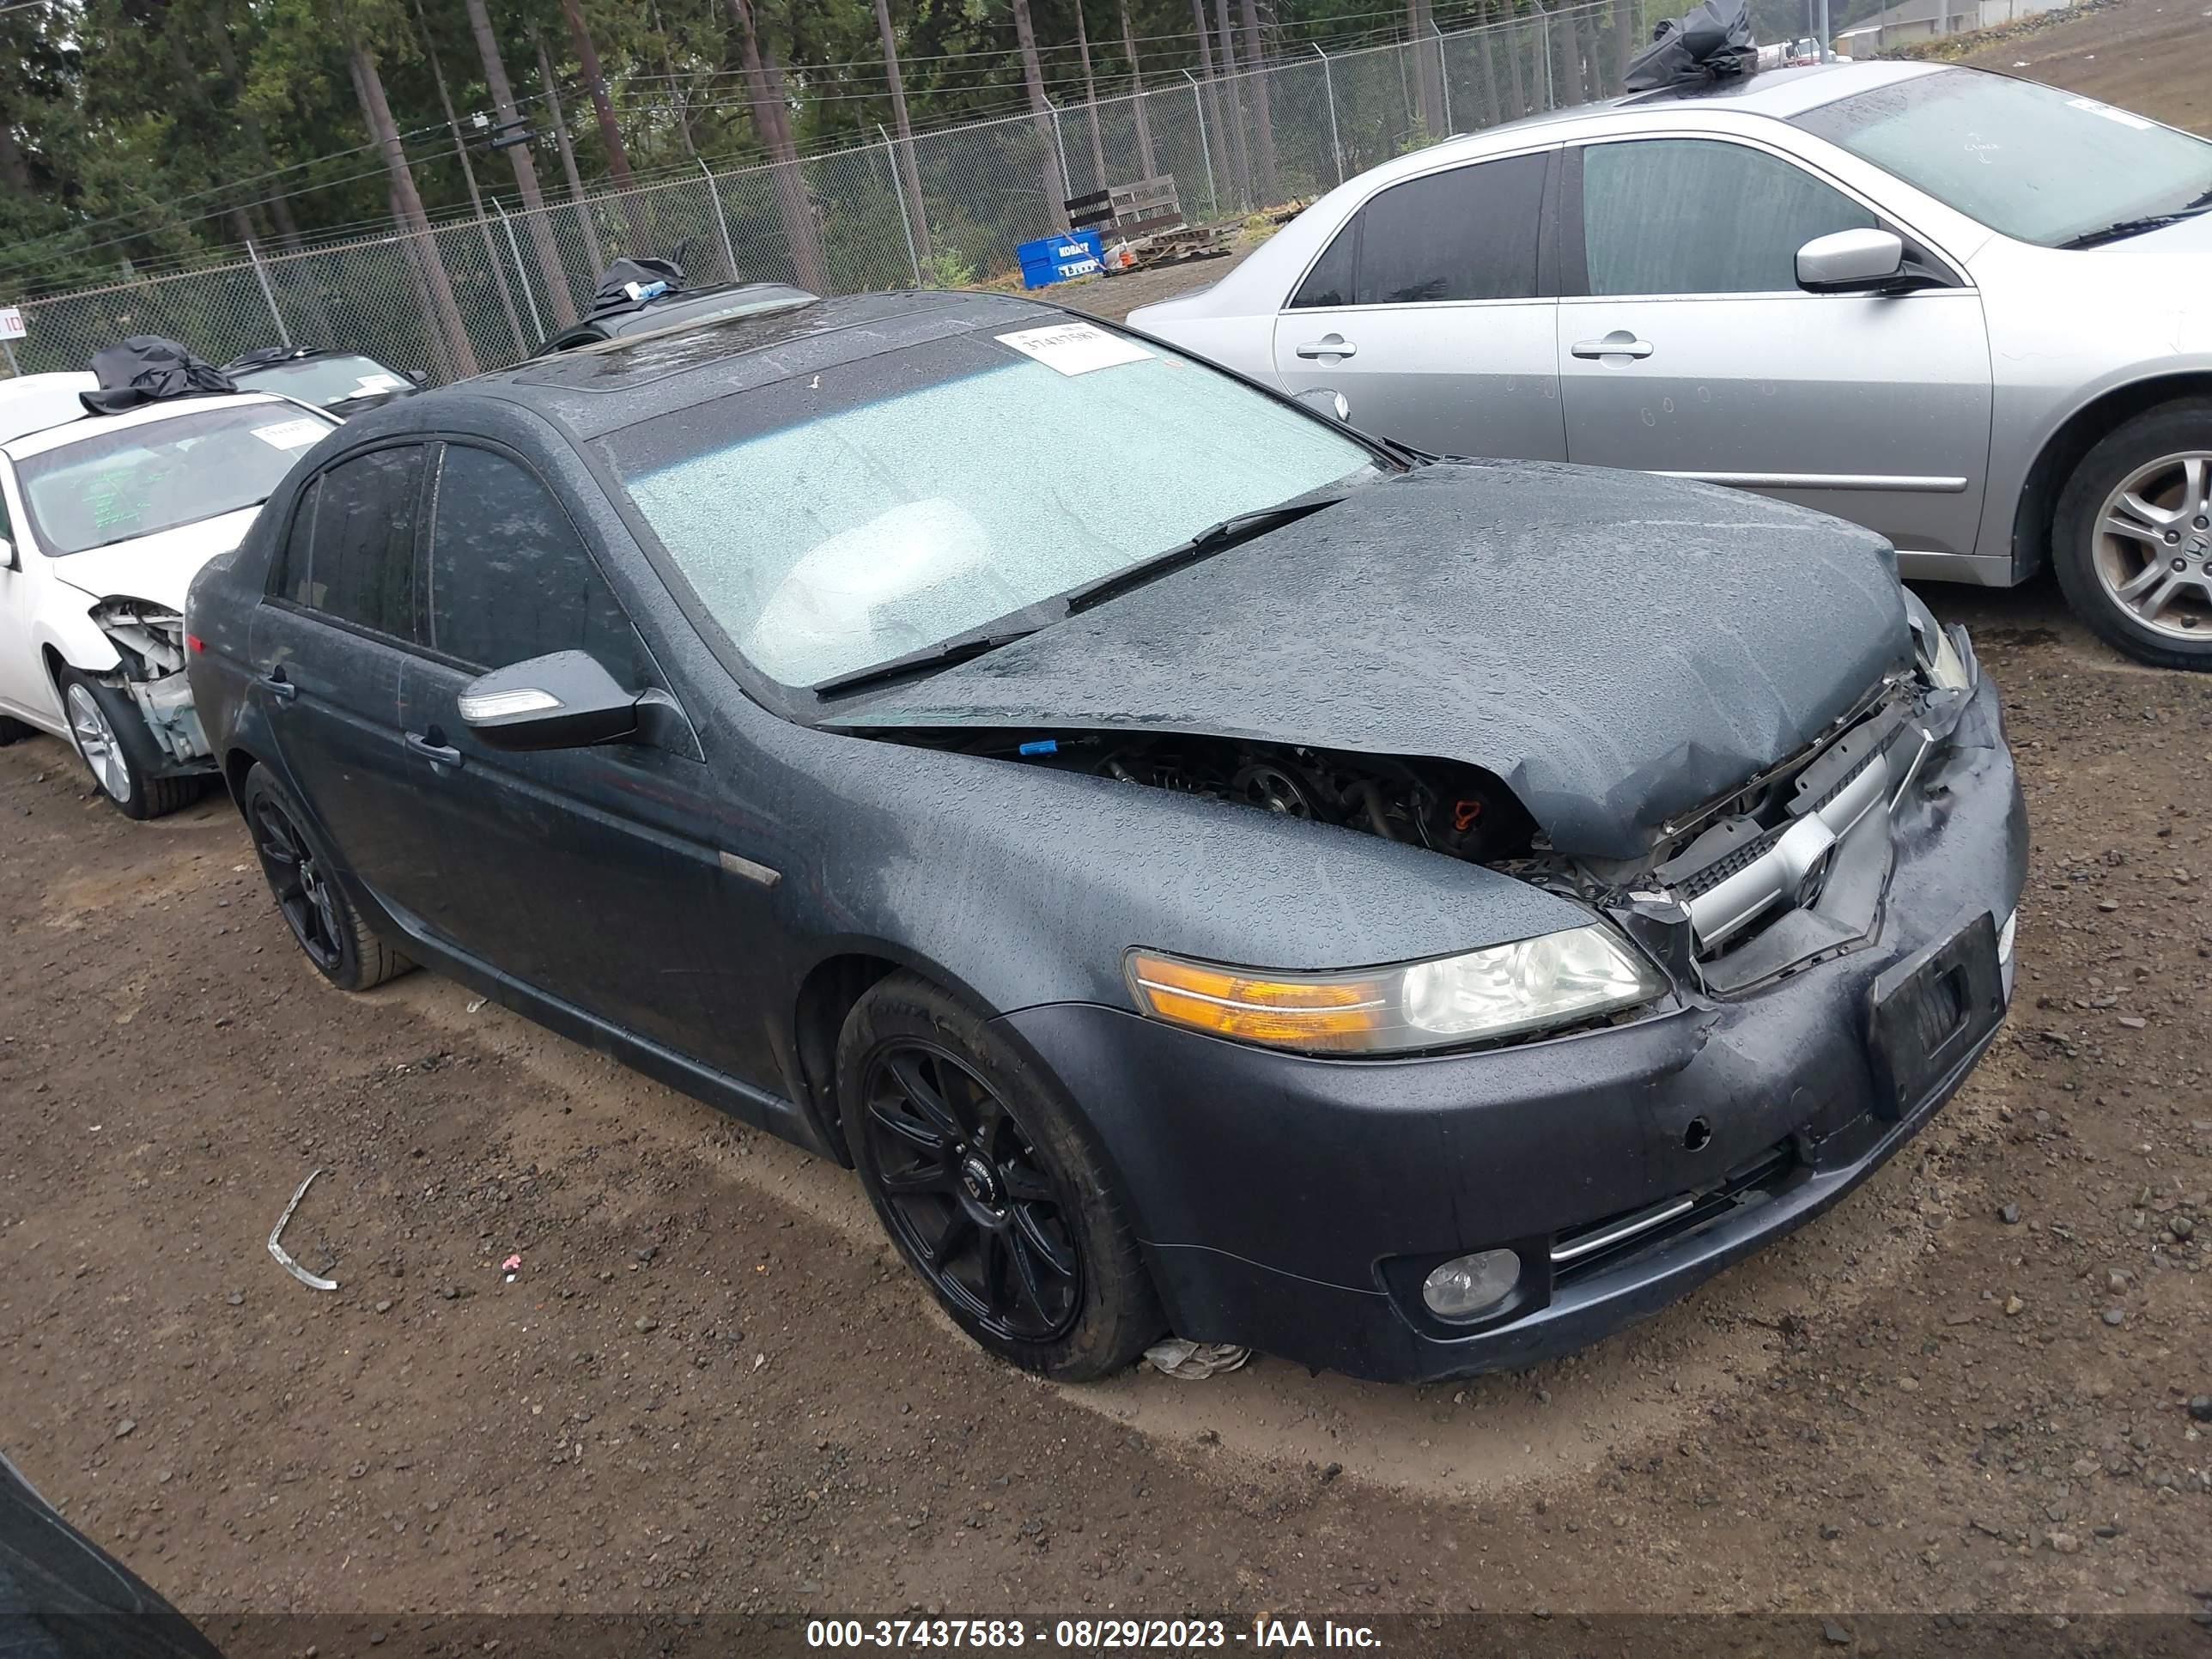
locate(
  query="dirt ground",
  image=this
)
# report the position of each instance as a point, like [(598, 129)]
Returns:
[(710, 1386), (2145, 55)]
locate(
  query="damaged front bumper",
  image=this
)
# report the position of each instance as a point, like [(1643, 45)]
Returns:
[(151, 642), (1296, 1204)]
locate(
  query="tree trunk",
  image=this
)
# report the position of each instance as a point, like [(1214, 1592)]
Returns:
[(680, 98), (257, 142), (1256, 59), (1090, 103), (1428, 68), (525, 167), (772, 128), (1625, 42), (476, 197), (1587, 30), (1055, 186), (595, 83), (1212, 97), (1240, 162), (1136, 98), (639, 239), (414, 223), (1493, 100), (917, 214), (1512, 33)]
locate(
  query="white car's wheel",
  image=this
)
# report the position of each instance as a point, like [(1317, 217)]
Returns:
[(112, 741)]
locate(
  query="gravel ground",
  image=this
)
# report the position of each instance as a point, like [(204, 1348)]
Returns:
[(710, 1385)]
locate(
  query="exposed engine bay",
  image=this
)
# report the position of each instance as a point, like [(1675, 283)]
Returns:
[(150, 640), (1451, 809)]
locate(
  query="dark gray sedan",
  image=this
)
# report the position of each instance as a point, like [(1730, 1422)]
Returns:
[(1202, 868)]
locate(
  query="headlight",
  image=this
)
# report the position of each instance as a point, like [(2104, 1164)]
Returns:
[(1947, 670), (1501, 991)]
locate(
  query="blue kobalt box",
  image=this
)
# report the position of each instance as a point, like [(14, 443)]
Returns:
[(1056, 258)]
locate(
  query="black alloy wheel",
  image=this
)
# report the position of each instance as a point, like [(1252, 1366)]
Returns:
[(308, 901), (991, 1183), (314, 907), (970, 1196)]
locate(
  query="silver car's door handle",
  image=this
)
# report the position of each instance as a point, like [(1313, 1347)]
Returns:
[(1330, 345), (1618, 343)]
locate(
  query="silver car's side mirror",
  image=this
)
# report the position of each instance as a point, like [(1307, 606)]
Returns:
[(1851, 261), (7, 553), (1328, 401)]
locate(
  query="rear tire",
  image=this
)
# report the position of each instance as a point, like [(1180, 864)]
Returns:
[(978, 1169), (328, 930), (110, 737), (2131, 542)]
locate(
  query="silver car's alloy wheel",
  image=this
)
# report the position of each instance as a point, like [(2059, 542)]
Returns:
[(95, 741), (2154, 545)]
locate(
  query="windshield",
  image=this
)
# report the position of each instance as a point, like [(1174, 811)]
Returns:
[(838, 520), (326, 380), (2032, 161), (127, 482)]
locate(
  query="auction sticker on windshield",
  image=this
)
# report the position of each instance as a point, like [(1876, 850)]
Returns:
[(291, 435), (1074, 348)]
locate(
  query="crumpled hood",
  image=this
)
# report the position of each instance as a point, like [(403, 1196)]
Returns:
[(157, 567), (1617, 647)]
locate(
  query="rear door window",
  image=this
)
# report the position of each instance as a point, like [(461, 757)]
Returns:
[(1468, 233), (510, 579), (351, 553)]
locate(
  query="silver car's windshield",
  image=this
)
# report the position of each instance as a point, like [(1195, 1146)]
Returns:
[(118, 483), (835, 521), (2035, 163), (332, 379)]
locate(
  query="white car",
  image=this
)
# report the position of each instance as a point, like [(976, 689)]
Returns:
[(104, 520)]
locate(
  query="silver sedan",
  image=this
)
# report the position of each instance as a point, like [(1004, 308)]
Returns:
[(1972, 312)]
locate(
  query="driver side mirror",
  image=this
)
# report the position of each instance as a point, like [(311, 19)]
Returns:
[(1857, 262), (563, 701)]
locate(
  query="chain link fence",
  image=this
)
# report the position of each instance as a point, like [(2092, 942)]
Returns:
[(480, 293)]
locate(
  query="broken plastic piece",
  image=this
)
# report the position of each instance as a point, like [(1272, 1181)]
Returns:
[(1711, 42), (1193, 1362), (277, 1249)]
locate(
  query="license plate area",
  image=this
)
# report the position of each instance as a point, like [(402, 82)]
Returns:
[(1928, 1014)]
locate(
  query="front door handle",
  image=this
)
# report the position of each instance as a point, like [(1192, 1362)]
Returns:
[(1330, 345), (1618, 343), (440, 753), (278, 687)]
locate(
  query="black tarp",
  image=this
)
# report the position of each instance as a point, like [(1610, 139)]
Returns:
[(1710, 42), (613, 294), (145, 368)]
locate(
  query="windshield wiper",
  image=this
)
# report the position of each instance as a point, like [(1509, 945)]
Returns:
[(1214, 538), (2127, 228), (960, 649)]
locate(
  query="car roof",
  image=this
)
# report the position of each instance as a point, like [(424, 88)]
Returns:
[(602, 388), (166, 408), (32, 403)]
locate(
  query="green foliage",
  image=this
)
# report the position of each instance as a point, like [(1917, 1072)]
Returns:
[(947, 268)]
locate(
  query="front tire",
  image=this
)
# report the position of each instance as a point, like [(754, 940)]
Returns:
[(110, 739), (328, 930), (2131, 543), (978, 1169)]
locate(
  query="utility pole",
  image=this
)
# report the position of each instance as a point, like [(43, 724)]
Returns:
[(568, 162), (1137, 94)]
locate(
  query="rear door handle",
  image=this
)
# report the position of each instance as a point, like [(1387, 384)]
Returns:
[(1618, 343), (278, 687), (442, 754), (1330, 345)]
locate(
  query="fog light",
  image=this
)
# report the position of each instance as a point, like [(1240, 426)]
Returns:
[(1467, 1287)]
